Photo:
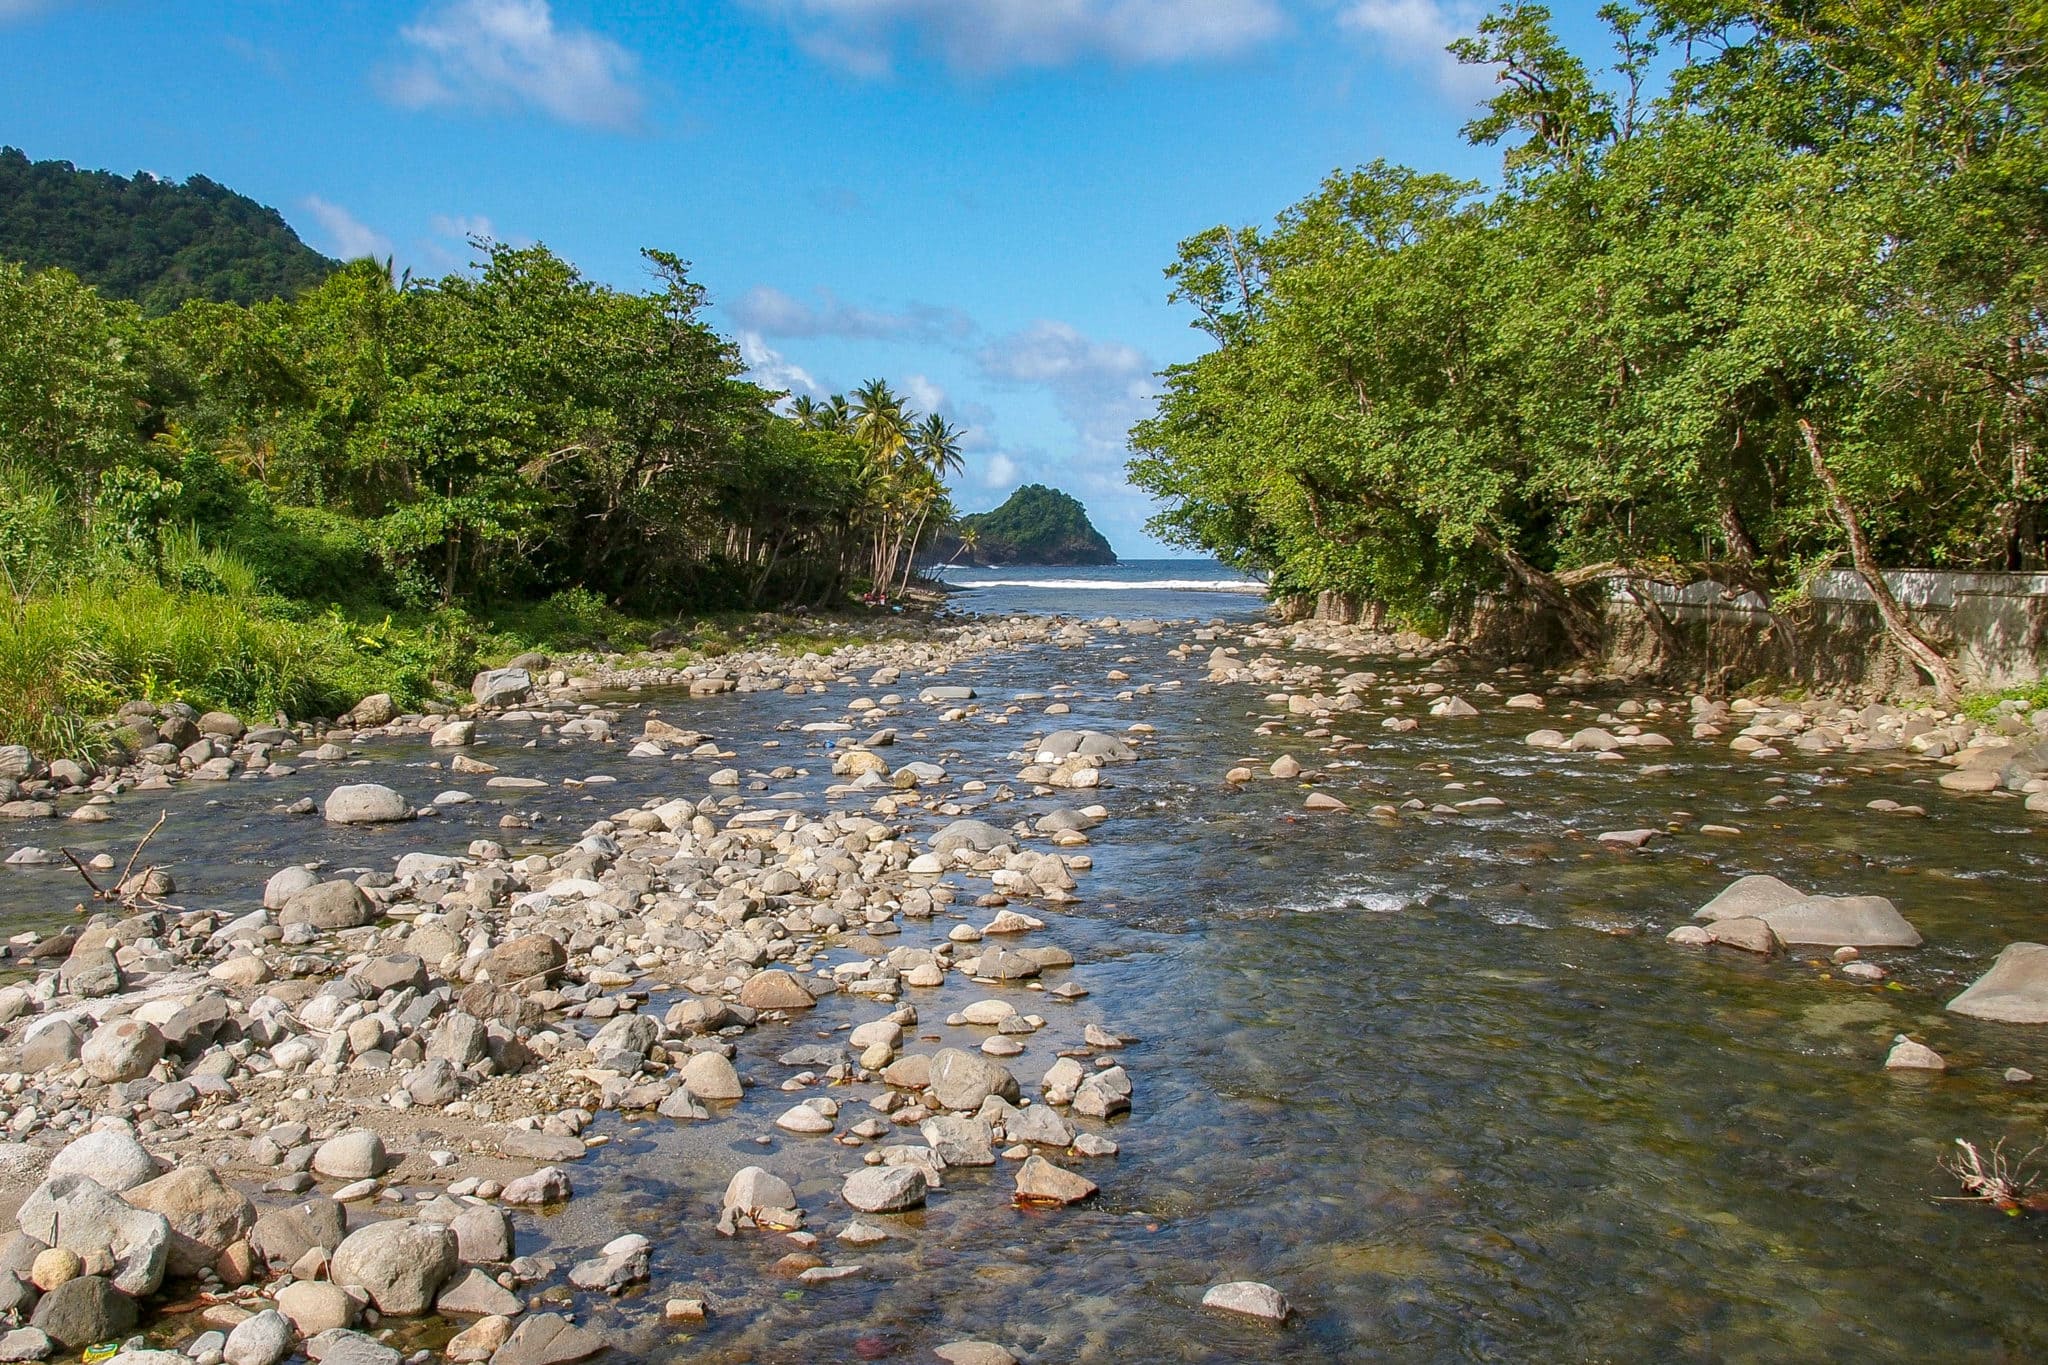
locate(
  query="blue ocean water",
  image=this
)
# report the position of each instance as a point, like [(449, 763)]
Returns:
[(1169, 588)]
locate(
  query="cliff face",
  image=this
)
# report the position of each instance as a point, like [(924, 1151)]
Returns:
[(1036, 525)]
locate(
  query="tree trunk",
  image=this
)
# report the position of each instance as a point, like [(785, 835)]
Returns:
[(1947, 685), (1581, 627)]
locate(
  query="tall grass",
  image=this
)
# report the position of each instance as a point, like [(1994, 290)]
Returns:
[(198, 629)]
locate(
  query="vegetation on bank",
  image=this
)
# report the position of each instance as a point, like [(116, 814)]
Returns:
[(1791, 311), (378, 483), (1035, 525), (156, 243)]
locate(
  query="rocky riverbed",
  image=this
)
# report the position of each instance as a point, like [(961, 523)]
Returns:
[(1040, 989)]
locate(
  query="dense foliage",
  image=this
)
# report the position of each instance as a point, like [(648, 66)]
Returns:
[(511, 444), (153, 242), (1035, 525), (1789, 310)]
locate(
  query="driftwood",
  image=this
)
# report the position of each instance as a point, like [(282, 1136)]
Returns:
[(127, 891), (1995, 1179)]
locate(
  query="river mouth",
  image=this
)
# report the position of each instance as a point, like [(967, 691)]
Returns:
[(1437, 1077)]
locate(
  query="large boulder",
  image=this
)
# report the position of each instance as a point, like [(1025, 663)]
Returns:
[(206, 1215), (365, 803), (1802, 920), (978, 835), (263, 1339), (400, 1263), (73, 1212), (84, 1312), (885, 1189), (328, 906), (530, 960), (963, 1080), (2014, 991), (776, 990), (548, 1339), (501, 686), (281, 1236), (357, 1154), (122, 1050)]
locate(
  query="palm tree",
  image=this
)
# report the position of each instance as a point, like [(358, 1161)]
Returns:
[(881, 421), (937, 443), (837, 414), (806, 411), (970, 541)]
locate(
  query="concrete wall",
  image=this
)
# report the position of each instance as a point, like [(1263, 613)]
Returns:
[(1994, 625)]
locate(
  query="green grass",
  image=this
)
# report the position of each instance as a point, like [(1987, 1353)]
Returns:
[(1984, 706)]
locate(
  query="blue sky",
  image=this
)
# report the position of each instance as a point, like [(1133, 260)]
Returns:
[(971, 198)]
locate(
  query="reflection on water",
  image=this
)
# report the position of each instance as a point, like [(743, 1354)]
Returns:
[(1438, 1078)]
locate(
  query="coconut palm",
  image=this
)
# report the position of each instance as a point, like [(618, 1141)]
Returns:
[(881, 422), (937, 445)]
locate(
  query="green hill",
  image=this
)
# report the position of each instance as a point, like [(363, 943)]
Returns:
[(1036, 525), (154, 241)]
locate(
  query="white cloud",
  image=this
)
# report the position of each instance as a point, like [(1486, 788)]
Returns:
[(346, 235), (461, 227), (862, 36), (771, 369), (1100, 387), (771, 312), (998, 471), (511, 54), (1416, 32)]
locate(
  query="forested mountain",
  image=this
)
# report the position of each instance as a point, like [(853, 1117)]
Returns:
[(154, 242), (1035, 525)]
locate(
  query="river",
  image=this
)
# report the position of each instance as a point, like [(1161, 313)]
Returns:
[(1438, 1078)]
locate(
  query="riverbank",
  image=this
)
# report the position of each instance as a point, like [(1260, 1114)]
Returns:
[(1305, 899)]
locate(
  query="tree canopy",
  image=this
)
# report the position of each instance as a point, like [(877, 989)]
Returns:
[(1790, 309), (1034, 525)]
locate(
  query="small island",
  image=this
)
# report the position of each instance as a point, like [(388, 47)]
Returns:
[(1035, 525)]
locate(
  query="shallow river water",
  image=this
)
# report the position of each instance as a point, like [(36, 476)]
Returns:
[(1439, 1079)]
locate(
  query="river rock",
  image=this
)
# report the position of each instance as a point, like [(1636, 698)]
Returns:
[(885, 1189), (2013, 991), (1842, 921), (960, 1140), (501, 686), (400, 1263), (536, 1144), (1041, 1182), (1907, 1055), (454, 735), (72, 1212), (752, 1188), (1746, 932), (963, 1080), (84, 1312), (376, 709), (977, 835), (111, 1157), (477, 1295), (26, 1343), (285, 883), (315, 1306), (263, 1339), (775, 990), (483, 1235), (365, 803), (354, 1155), (623, 1261), (339, 1346), (206, 1216), (281, 1236), (1248, 1297), (123, 1050), (548, 1185), (479, 1341), (548, 1339), (711, 1076), (974, 1353), (528, 961), (328, 906)]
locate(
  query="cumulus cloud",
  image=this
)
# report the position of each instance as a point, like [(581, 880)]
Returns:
[(1416, 32), (862, 36), (344, 234), (999, 471), (499, 55), (1100, 387), (771, 312), (771, 369)]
